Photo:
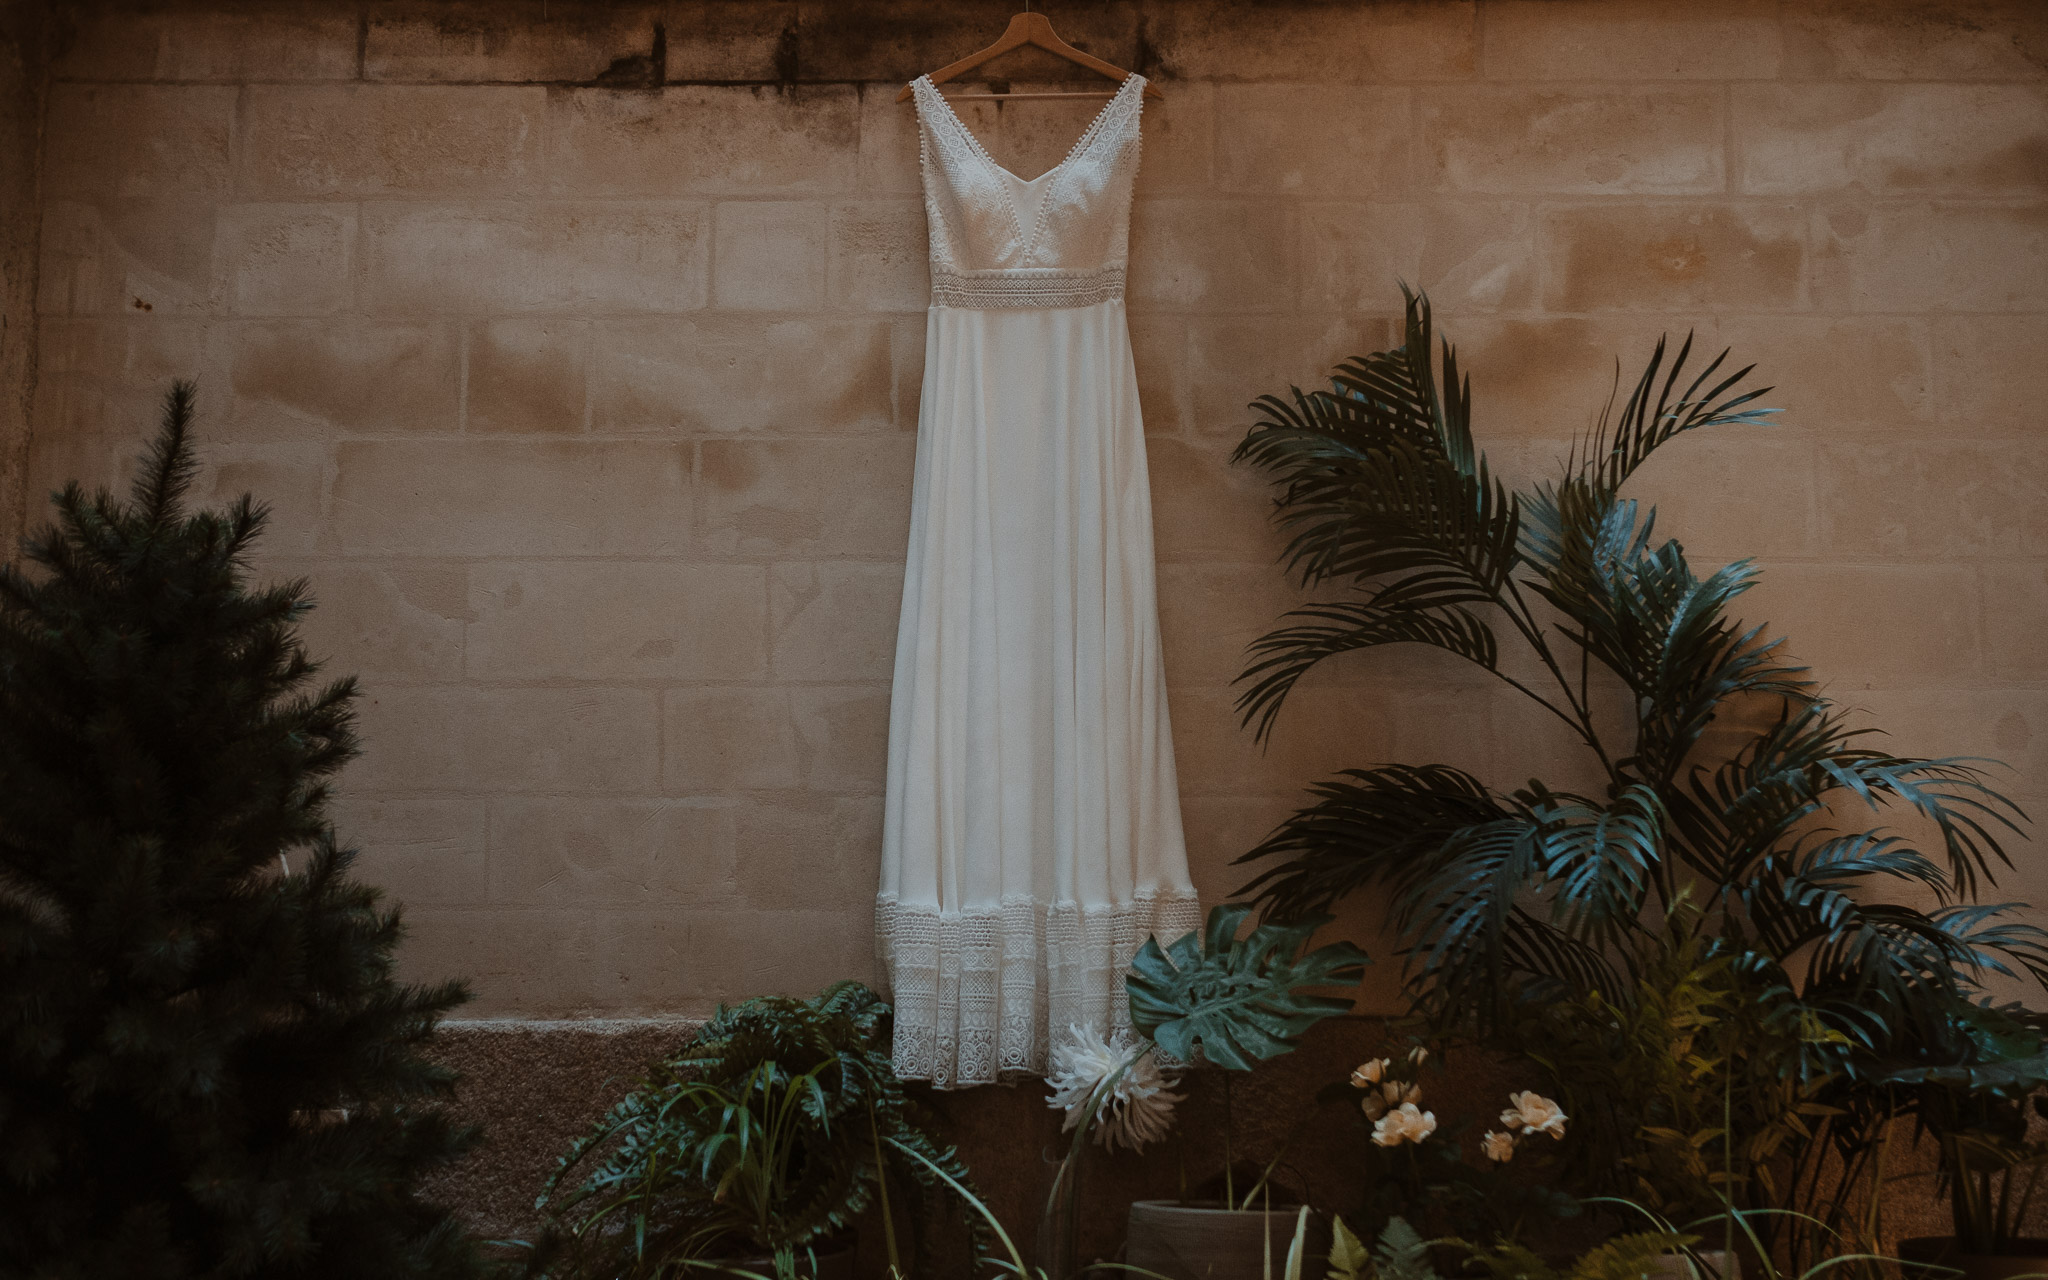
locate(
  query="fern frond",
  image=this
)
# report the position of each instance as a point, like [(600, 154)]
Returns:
[(1402, 1253)]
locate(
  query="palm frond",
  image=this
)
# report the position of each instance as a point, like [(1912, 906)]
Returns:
[(1368, 826), (1602, 863), (1344, 626), (1885, 974), (1950, 792), (1394, 509), (1535, 899), (1741, 809), (1379, 475), (1810, 759), (1849, 860), (1545, 962), (1403, 385), (1636, 606), (1613, 454), (1462, 918), (1475, 954)]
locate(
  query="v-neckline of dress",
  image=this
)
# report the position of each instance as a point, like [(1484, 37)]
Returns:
[(1010, 180)]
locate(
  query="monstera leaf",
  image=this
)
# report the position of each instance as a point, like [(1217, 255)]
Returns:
[(1239, 999)]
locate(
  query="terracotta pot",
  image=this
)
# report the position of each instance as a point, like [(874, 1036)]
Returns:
[(1203, 1241), (835, 1262), (2024, 1257)]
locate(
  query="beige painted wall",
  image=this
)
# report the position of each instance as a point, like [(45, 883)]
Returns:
[(589, 410)]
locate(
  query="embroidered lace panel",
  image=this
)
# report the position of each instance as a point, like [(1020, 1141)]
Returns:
[(977, 991), (999, 289)]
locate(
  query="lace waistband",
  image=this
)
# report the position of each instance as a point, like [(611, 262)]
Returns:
[(1000, 290)]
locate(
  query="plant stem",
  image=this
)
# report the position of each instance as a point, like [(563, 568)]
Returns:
[(1958, 1190), (1872, 1182), (1815, 1151), (2019, 1216), (1581, 706), (1229, 1157), (1541, 701), (882, 1186), (1873, 1220), (1728, 1155), (2001, 1225), (1265, 1174)]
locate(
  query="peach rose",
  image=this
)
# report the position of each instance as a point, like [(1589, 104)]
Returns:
[(1405, 1123), (1530, 1112)]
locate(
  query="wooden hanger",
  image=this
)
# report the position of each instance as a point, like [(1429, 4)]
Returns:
[(1033, 29)]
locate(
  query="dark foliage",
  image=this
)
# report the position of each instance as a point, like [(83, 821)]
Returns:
[(768, 1134), (1223, 1001), (206, 1067), (1539, 891), (1767, 845)]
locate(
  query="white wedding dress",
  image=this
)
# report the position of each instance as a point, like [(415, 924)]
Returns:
[(1032, 838)]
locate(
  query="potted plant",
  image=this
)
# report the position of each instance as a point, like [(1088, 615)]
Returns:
[(1210, 1001), (1980, 1115), (751, 1150), (1731, 782)]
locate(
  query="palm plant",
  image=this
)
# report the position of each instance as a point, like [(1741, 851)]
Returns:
[(1509, 900)]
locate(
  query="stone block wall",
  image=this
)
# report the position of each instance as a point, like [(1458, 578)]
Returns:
[(25, 35), (576, 347)]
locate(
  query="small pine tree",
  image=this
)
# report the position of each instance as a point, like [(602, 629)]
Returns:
[(206, 1067)]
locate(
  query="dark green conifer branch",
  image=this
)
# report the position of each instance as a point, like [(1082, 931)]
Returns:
[(207, 1067)]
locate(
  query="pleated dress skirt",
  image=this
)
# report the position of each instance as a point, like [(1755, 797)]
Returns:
[(1033, 837)]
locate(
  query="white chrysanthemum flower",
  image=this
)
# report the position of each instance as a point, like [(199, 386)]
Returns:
[(1405, 1123), (1138, 1107), (1497, 1147), (1369, 1074), (1530, 1112)]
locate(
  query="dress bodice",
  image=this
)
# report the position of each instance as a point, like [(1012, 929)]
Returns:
[(1060, 240)]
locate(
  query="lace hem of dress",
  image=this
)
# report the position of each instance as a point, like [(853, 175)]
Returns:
[(977, 992), (997, 291)]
